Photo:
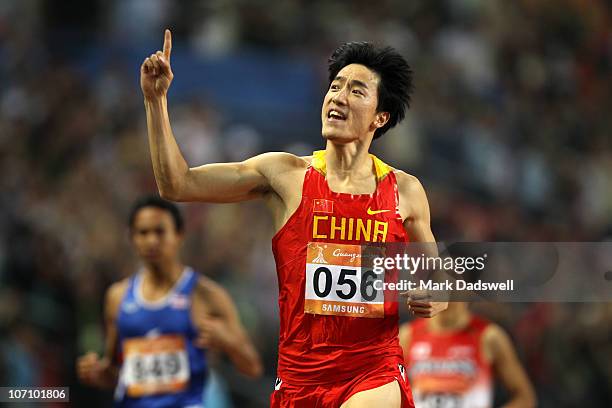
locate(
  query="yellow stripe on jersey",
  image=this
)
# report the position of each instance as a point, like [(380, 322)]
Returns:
[(381, 168), (318, 161)]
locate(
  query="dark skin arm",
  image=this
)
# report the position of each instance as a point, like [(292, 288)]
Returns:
[(218, 323), (103, 372)]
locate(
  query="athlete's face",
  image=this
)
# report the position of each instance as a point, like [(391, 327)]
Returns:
[(155, 236), (349, 107)]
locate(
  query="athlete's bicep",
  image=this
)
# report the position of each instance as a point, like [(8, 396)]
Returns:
[(219, 302), (414, 208), (112, 303), (232, 182), (505, 362), (223, 183), (419, 230)]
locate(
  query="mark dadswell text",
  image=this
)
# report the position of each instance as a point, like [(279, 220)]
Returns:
[(460, 284), (447, 285)]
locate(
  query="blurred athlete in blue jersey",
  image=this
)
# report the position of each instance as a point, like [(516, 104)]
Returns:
[(160, 321)]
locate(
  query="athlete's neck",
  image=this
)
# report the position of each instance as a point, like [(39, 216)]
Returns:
[(454, 318), (163, 275), (348, 161)]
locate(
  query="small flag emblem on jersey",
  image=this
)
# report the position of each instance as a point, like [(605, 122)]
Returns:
[(179, 302), (322, 205)]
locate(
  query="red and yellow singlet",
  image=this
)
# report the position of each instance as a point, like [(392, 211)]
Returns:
[(333, 323)]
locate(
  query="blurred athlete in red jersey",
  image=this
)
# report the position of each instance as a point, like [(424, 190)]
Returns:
[(338, 338), (452, 360)]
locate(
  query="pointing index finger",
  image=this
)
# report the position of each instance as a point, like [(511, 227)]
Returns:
[(167, 44)]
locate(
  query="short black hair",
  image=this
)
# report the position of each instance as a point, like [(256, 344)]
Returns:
[(395, 75), (157, 202)]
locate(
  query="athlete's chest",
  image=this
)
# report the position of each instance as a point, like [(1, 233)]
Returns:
[(342, 219), (136, 319), (355, 186), (457, 359), (351, 218)]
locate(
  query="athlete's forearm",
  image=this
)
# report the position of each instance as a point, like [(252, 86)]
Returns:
[(110, 378), (523, 400), (169, 165), (107, 377), (521, 393), (244, 356)]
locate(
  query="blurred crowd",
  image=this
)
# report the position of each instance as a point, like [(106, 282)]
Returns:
[(509, 131)]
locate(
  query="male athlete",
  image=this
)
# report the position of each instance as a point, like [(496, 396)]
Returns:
[(338, 338), (160, 321), (452, 358)]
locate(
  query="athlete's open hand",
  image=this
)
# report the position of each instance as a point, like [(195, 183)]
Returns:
[(155, 72), (91, 370)]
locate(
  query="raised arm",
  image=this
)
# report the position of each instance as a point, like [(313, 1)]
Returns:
[(176, 181)]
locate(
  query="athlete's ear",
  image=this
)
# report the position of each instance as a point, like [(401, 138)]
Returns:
[(381, 119)]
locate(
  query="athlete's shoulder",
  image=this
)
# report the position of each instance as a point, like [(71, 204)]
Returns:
[(280, 160), (204, 285), (407, 182), (114, 296), (494, 341), (117, 290), (493, 333), (212, 293), (412, 196)]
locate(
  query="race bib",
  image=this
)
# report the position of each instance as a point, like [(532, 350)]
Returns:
[(338, 285), (155, 365)]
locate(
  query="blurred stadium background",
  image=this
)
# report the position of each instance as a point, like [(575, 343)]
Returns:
[(510, 132)]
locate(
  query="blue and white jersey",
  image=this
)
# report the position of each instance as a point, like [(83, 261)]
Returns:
[(161, 367)]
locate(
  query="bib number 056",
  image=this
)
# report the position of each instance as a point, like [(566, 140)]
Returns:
[(323, 282)]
